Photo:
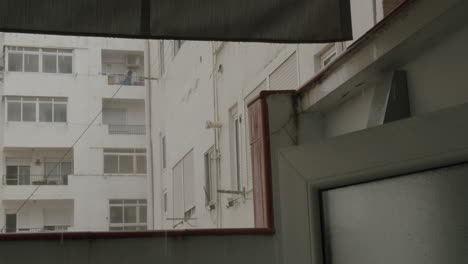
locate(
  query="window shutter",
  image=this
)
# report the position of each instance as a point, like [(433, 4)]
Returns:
[(261, 170), (285, 76), (189, 200)]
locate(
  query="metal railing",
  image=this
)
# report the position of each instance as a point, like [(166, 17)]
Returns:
[(127, 129), (35, 180), (123, 79), (59, 228)]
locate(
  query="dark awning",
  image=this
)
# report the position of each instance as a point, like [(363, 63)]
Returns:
[(234, 20)]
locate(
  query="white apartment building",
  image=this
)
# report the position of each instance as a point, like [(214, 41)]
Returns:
[(52, 88), (200, 125)]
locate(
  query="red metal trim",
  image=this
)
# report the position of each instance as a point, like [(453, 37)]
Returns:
[(358, 44), (136, 234), (267, 151), (265, 93)]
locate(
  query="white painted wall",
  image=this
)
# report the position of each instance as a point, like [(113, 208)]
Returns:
[(88, 189)]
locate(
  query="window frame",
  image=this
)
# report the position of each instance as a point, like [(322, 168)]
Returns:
[(138, 205), (236, 137), (37, 102), (40, 53), (134, 153), (210, 186)]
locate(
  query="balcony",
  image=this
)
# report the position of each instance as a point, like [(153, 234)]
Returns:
[(124, 116), (127, 129), (123, 67), (124, 79), (11, 179), (39, 216)]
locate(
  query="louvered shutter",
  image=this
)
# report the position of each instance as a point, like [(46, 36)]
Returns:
[(285, 76)]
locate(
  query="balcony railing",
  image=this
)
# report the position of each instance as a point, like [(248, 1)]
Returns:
[(58, 228), (35, 180), (127, 129), (123, 79)]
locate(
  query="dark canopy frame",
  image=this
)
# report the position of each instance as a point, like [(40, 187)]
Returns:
[(288, 21)]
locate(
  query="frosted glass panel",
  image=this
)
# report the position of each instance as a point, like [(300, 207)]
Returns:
[(418, 218)]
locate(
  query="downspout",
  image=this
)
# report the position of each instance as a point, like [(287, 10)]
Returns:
[(216, 137), (149, 134)]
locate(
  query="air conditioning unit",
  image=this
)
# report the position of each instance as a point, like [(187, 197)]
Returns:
[(133, 61)]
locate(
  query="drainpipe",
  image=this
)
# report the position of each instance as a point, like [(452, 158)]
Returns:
[(149, 153), (216, 137)]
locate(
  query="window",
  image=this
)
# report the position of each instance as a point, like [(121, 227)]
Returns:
[(34, 109), (161, 58), (124, 161), (183, 187), (210, 177), (18, 175), (165, 202), (22, 59), (127, 215), (235, 138), (327, 56), (177, 45), (163, 152), (10, 223), (57, 172)]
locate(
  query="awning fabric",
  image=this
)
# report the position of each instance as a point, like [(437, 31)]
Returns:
[(301, 21)]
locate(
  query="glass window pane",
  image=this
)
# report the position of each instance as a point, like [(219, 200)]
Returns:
[(15, 62), (142, 214), (49, 63), (130, 214), (116, 215), (66, 168), (14, 111), (65, 50), (65, 64), (24, 175), (52, 170), (45, 112), (115, 228), (12, 175), (50, 50), (111, 164), (31, 62), (29, 112), (126, 164), (116, 201), (31, 49), (141, 164), (45, 99), (60, 113), (130, 228), (142, 228)]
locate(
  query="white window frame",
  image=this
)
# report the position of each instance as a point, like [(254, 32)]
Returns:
[(236, 137), (10, 164), (40, 53), (21, 100), (163, 150), (134, 153), (165, 201), (138, 204), (210, 186), (187, 209)]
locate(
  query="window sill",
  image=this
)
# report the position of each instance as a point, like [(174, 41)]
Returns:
[(136, 234)]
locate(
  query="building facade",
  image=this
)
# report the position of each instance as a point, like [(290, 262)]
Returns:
[(73, 144), (200, 126)]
